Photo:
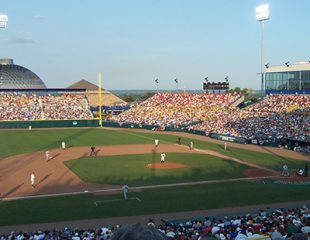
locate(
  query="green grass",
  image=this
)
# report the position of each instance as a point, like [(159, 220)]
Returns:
[(24, 141), (268, 160), (202, 167), (164, 200), (132, 169)]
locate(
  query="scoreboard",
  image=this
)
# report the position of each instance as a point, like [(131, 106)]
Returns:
[(215, 86)]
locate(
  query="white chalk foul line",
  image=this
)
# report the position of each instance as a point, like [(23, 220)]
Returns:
[(142, 187), (97, 203)]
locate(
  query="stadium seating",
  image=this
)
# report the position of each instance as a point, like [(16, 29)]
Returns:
[(276, 224), (176, 109), (25, 107)]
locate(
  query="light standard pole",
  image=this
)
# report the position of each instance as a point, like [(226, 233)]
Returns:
[(157, 82), (3, 20), (262, 14), (177, 82)]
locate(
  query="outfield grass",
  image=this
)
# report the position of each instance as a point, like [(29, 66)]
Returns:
[(164, 200), (131, 169), (24, 141)]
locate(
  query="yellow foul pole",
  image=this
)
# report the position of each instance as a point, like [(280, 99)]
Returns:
[(100, 100)]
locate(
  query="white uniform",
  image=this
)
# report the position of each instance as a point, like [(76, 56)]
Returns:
[(162, 157), (32, 178), (125, 189), (225, 146), (47, 155), (63, 145), (156, 142), (191, 145)]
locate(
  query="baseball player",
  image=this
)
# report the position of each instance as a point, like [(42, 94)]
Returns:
[(156, 142), (92, 151), (225, 146), (285, 171), (125, 190), (63, 145), (191, 145), (162, 157), (47, 155), (32, 179)]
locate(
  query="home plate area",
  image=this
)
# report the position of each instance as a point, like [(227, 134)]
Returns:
[(97, 203), (165, 165)]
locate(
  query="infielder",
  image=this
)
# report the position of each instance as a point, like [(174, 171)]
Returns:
[(162, 157), (125, 190), (47, 155), (191, 145), (32, 179), (156, 142), (63, 145), (225, 146)]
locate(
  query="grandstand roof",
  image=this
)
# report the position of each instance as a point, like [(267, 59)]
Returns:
[(85, 85), (290, 67), (108, 99)]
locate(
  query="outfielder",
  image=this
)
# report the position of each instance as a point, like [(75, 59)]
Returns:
[(156, 142)]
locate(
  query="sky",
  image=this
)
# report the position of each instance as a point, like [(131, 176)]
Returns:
[(134, 42)]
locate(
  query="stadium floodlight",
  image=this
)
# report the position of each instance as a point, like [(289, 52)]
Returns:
[(3, 20), (157, 82), (267, 65), (262, 14), (177, 83), (226, 78), (287, 64)]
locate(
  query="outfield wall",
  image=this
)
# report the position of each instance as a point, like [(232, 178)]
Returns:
[(49, 123)]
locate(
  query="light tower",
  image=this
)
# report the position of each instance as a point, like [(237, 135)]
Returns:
[(262, 14), (3, 20), (177, 83)]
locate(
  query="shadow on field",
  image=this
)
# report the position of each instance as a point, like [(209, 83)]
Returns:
[(272, 153), (12, 190), (43, 179), (67, 139)]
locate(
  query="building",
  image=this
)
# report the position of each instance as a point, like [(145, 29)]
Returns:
[(288, 78), (91, 92), (17, 77)]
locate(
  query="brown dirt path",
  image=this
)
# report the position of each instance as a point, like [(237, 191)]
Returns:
[(53, 176)]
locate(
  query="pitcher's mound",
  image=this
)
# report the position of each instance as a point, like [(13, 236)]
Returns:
[(165, 165)]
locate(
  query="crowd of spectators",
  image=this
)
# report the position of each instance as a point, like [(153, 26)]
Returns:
[(265, 225), (274, 118), (25, 107), (176, 109)]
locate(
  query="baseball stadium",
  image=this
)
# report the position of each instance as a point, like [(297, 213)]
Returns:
[(219, 158)]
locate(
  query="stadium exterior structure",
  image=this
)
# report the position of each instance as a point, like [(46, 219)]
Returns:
[(288, 79), (13, 76)]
